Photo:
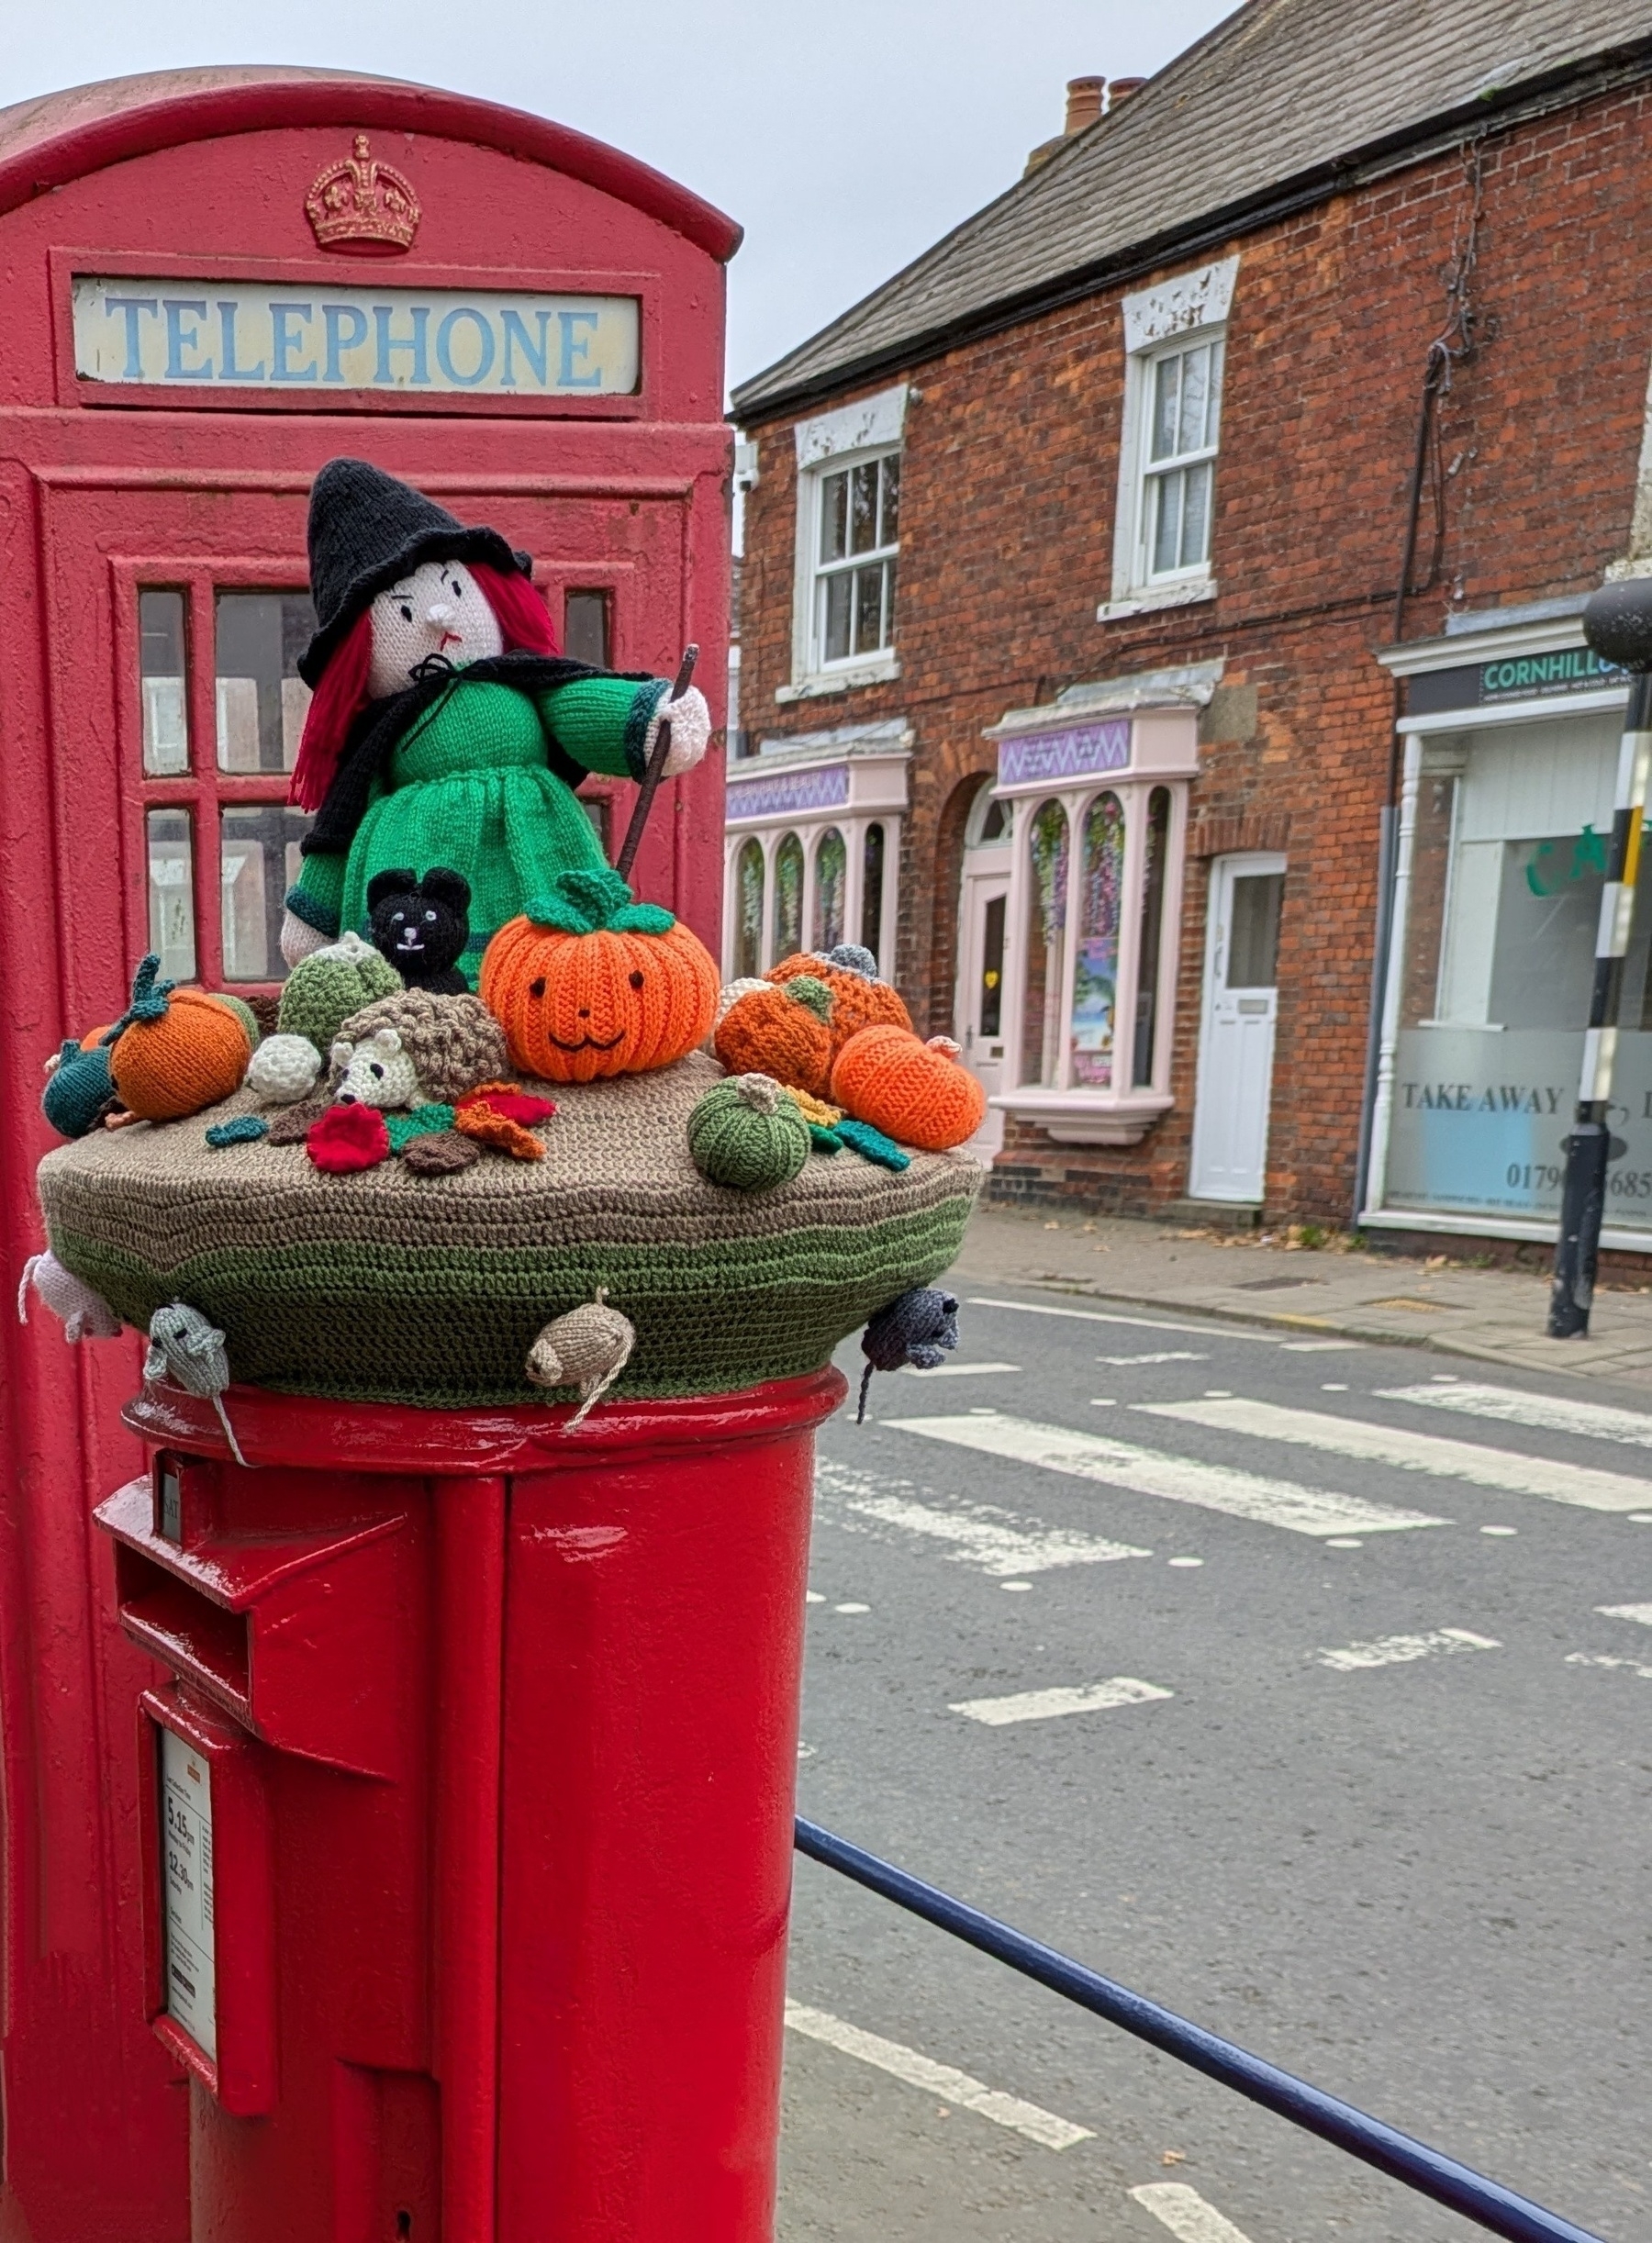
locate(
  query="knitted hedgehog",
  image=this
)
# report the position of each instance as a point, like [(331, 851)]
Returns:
[(455, 1043)]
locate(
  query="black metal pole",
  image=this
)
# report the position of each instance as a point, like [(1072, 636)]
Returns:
[(656, 769), (1617, 624)]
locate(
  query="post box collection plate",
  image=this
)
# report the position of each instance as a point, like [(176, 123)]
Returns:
[(190, 1945)]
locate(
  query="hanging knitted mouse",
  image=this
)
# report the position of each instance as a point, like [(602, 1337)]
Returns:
[(918, 1328), (446, 728)]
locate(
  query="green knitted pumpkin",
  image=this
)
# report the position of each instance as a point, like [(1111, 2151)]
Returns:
[(745, 1132), (322, 990)]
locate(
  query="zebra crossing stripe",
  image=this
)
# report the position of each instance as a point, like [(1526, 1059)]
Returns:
[(1583, 1485), (1179, 1479), (1583, 1421)]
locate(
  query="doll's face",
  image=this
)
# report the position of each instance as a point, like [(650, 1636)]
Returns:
[(437, 609)]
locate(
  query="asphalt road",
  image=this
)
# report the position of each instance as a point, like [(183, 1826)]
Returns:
[(1380, 1814)]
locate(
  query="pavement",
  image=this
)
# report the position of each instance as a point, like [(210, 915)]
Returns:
[(1297, 1680), (1270, 1278)]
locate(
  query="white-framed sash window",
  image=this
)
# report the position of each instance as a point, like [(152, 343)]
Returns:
[(848, 547)]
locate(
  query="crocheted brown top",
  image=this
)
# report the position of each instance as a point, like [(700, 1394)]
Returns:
[(388, 1286)]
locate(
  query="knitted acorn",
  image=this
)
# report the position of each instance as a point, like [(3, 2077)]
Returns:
[(178, 1050), (587, 1348), (589, 983), (323, 990), (916, 1092), (748, 1133), (784, 1032), (858, 998)]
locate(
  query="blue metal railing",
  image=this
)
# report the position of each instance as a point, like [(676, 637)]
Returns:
[(1457, 2186)]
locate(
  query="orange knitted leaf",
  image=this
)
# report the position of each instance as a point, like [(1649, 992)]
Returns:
[(857, 1003), (766, 1031), (918, 1093), (193, 1057), (611, 1003), (488, 1126)]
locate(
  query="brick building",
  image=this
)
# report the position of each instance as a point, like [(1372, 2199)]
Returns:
[(1076, 677)]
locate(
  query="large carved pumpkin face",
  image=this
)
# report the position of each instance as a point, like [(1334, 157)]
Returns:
[(588, 983)]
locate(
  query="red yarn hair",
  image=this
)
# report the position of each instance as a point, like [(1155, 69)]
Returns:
[(525, 626)]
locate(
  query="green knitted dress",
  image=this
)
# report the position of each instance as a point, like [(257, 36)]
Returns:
[(469, 786)]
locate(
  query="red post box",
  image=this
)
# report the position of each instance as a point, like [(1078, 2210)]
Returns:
[(467, 1808), (217, 280)]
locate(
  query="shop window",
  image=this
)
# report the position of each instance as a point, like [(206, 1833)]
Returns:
[(748, 910), (586, 628), (1504, 838), (1153, 927), (872, 888), (217, 819), (1178, 470), (161, 662), (1046, 944), (171, 892), (788, 896), (857, 514), (261, 700), (831, 868), (1096, 954)]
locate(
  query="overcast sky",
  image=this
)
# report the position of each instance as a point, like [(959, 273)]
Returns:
[(844, 135)]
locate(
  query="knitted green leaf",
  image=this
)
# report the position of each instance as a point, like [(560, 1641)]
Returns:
[(804, 990), (644, 918), (149, 993), (581, 902)]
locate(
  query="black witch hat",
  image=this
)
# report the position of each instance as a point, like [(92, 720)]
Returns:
[(366, 531)]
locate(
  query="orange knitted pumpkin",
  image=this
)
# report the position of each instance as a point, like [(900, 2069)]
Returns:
[(917, 1093), (857, 999), (178, 1050), (783, 1031), (588, 983)]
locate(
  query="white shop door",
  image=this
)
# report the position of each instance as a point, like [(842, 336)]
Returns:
[(1237, 1035), (983, 904)]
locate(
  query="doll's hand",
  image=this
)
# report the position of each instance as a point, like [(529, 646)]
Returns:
[(690, 732), (298, 938)]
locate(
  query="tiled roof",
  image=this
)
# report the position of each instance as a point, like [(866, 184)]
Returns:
[(1283, 96)]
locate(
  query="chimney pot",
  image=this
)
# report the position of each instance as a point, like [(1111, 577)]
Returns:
[(1086, 98), (1122, 88)]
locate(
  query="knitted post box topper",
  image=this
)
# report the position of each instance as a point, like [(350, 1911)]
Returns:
[(178, 1050), (858, 998), (446, 728), (917, 1093), (783, 1032), (589, 983)]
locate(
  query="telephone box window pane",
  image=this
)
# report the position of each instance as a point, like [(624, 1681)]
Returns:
[(872, 883), (832, 867), (586, 628), (598, 809), (748, 909), (1254, 947), (258, 853), (1096, 963), (1047, 944), (1153, 919), (171, 930), (788, 897), (261, 700), (160, 668)]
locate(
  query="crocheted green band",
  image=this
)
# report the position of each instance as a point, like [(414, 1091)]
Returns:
[(581, 902)]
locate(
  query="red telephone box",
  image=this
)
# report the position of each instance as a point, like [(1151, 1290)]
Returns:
[(218, 280)]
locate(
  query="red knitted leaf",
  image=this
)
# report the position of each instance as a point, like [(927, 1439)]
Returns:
[(348, 1138), (515, 1105)]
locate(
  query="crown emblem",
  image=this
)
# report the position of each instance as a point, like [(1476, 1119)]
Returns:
[(361, 206)]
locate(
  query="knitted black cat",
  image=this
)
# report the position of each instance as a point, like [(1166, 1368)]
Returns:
[(421, 926)]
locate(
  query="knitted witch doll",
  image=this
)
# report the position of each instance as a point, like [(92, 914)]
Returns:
[(446, 728)]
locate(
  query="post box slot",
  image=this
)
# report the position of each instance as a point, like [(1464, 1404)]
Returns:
[(191, 1634)]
